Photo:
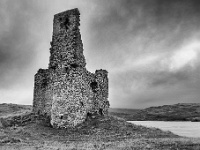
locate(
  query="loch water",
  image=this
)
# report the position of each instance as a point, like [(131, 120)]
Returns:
[(182, 128)]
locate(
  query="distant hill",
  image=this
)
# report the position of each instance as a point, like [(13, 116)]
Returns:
[(123, 110), (177, 112), (13, 109)]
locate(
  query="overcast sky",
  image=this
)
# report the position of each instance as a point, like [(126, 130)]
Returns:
[(151, 48)]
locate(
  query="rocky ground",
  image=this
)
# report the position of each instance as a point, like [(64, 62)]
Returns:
[(100, 133)]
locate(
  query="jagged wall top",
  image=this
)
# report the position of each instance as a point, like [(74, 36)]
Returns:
[(66, 46), (62, 20)]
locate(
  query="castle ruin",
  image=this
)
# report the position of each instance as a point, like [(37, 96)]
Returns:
[(67, 92)]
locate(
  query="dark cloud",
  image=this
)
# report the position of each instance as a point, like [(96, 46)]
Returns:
[(168, 78), (124, 30), (17, 40), (129, 38), (121, 21), (156, 86)]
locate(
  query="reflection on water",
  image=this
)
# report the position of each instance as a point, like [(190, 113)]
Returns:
[(189, 129)]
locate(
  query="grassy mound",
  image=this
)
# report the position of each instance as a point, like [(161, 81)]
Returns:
[(96, 133), (99, 133), (13, 109), (98, 130)]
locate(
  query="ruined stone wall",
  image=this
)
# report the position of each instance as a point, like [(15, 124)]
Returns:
[(39, 90), (72, 98), (66, 91), (66, 46), (101, 77), (43, 92)]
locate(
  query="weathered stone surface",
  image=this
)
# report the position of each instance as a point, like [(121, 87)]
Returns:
[(66, 92)]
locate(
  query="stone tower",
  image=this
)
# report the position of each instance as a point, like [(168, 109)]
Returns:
[(66, 92)]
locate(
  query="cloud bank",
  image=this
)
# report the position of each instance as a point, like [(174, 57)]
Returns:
[(151, 48)]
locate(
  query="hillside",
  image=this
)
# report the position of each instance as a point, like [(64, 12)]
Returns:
[(100, 133), (13, 109), (177, 112)]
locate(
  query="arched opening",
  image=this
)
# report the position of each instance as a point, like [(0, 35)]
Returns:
[(64, 23), (74, 65), (101, 111), (94, 86)]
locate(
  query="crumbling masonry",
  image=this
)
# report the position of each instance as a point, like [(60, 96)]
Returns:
[(66, 92)]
